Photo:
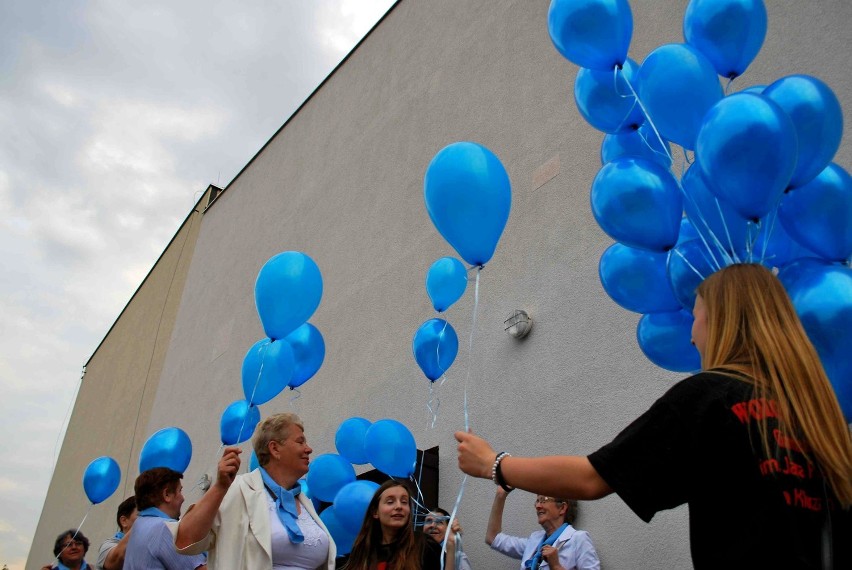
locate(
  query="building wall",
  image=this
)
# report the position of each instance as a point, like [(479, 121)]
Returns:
[(114, 403), (343, 182)]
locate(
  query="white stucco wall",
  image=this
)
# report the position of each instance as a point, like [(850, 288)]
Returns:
[(343, 183)]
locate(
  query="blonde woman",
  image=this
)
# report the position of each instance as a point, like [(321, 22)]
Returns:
[(756, 444), (260, 519)]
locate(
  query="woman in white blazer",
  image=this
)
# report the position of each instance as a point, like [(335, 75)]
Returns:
[(260, 519)]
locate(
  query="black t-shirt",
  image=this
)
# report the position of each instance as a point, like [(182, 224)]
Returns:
[(699, 444), (430, 558)]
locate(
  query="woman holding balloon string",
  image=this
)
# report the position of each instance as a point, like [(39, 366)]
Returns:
[(760, 430), (260, 519), (387, 540), (70, 550)]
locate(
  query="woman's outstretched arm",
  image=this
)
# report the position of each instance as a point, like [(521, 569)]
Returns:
[(564, 476)]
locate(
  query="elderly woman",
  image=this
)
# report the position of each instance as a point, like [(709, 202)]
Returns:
[(260, 519), (70, 548), (558, 546), (759, 429), (435, 527), (387, 540)]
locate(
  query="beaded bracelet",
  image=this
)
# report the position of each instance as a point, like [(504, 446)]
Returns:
[(497, 474)]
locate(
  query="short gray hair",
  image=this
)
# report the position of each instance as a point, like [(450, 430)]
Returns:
[(273, 428)]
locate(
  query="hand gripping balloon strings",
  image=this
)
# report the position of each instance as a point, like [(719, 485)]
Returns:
[(74, 536), (466, 413)]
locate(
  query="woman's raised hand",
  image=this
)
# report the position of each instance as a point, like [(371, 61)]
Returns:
[(228, 467), (476, 456)]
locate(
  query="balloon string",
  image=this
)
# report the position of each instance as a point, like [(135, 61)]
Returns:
[(733, 257), (768, 234), (643, 136), (470, 349), (265, 348), (706, 225), (615, 88), (76, 532), (752, 232), (434, 399), (296, 395), (728, 85), (647, 116), (466, 412), (685, 260), (453, 518)]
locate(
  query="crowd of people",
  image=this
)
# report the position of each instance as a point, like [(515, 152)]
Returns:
[(761, 413)]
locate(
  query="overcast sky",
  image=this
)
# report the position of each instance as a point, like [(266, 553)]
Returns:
[(114, 117)]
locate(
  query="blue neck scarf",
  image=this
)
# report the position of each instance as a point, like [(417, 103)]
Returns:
[(285, 500), (154, 512), (119, 535), (61, 566), (534, 562)]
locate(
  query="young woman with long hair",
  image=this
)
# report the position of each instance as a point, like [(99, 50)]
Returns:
[(756, 444), (387, 540)]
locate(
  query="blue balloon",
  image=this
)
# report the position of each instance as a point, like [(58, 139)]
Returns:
[(238, 422), (687, 231), (677, 86), (308, 352), (822, 295), (435, 346), (591, 33), (817, 118), (468, 196), (689, 264), (712, 216), (819, 214), (267, 369), (665, 339), (391, 448), (642, 143), (747, 152), (349, 440), (636, 279), (327, 475), (343, 539), (287, 292), (253, 463), (101, 479), (756, 89), (638, 203), (351, 502), (446, 281), (729, 32), (170, 447), (606, 102)]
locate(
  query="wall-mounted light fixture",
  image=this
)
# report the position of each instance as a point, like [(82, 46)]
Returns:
[(519, 324)]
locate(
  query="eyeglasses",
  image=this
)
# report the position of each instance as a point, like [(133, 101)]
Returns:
[(436, 520), (543, 500), (71, 543)]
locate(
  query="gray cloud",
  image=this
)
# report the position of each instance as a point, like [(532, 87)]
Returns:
[(114, 117)]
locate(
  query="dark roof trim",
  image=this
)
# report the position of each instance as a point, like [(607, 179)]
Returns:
[(195, 210)]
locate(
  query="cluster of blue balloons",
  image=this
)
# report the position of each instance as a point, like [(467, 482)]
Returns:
[(762, 187), (287, 292), (468, 197), (387, 444)]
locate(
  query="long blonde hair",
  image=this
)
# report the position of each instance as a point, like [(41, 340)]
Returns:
[(752, 329)]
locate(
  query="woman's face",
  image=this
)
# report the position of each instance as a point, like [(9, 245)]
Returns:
[(549, 511), (393, 510), (699, 326), (72, 551), (292, 453)]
